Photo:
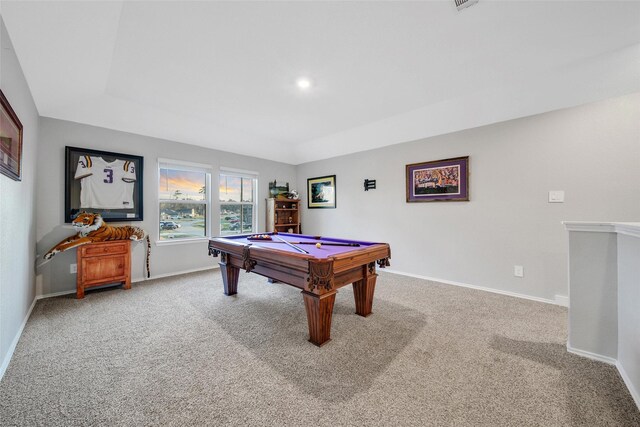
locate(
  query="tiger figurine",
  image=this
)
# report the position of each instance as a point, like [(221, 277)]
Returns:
[(92, 228)]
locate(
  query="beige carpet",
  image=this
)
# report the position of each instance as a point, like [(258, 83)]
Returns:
[(176, 351)]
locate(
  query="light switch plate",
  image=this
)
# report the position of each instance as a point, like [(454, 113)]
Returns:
[(556, 196), (518, 271), (73, 268)]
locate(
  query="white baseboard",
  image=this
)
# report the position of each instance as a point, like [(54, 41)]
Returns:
[(610, 361), (480, 288), (14, 343), (173, 273), (630, 386), (593, 356), (562, 300), (55, 294), (137, 280)]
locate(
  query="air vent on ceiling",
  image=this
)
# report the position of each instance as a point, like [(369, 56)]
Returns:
[(461, 4)]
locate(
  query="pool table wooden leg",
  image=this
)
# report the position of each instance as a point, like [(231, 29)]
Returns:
[(319, 312), (229, 278), (363, 294)]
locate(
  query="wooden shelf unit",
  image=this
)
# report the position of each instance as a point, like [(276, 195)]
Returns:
[(103, 263), (282, 215)]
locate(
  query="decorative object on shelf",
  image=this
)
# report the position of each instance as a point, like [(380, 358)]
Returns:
[(91, 229), (293, 194), (438, 181), (10, 141), (369, 184), (321, 192), (103, 182), (283, 215), (278, 191)]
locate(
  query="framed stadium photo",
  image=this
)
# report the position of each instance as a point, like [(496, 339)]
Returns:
[(10, 141), (438, 181), (103, 182), (321, 192)]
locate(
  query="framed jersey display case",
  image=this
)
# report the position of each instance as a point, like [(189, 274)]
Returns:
[(103, 182)]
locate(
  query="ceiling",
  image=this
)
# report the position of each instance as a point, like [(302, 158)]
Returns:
[(223, 74)]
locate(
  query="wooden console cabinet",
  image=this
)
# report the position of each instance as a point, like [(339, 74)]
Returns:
[(103, 263)]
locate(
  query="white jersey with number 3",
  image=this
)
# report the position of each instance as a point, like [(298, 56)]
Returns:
[(105, 185)]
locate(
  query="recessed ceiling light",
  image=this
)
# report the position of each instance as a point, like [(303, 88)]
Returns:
[(303, 83)]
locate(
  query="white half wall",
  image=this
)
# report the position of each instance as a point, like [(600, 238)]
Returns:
[(592, 152), (629, 313), (17, 209), (593, 287), (54, 275), (604, 288)]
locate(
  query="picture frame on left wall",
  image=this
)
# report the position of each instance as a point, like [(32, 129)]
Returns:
[(10, 141), (103, 182)]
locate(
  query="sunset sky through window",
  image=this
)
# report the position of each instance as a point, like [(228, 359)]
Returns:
[(188, 183)]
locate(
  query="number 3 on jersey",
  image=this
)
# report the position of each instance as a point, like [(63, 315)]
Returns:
[(109, 178)]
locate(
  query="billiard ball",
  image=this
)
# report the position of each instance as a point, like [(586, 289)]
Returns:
[(318, 245)]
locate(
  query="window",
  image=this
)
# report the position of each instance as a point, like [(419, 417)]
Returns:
[(237, 203), (184, 196)]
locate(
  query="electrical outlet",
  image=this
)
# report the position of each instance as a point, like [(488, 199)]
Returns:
[(73, 268), (556, 196), (518, 271)]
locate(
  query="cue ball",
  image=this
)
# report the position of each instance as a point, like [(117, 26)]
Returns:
[(318, 245)]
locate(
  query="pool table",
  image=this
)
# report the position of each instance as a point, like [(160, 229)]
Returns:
[(319, 272)]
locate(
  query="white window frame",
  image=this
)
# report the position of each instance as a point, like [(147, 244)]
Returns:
[(193, 167), (241, 173)]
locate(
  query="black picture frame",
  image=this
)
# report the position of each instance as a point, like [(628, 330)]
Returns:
[(73, 186), (320, 185)]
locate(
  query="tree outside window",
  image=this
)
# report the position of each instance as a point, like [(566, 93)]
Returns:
[(237, 204), (183, 200)]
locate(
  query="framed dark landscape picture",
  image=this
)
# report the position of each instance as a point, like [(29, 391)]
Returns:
[(277, 189), (444, 180), (103, 182), (321, 192), (10, 141)]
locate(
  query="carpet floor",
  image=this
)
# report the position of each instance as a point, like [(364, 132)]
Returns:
[(178, 352)]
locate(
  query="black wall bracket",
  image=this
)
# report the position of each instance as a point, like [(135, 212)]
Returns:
[(369, 184)]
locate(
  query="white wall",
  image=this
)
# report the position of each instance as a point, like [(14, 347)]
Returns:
[(628, 313), (592, 152), (54, 275), (17, 208)]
